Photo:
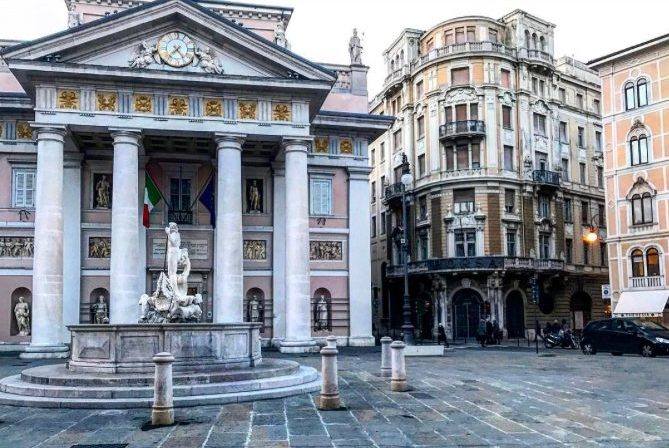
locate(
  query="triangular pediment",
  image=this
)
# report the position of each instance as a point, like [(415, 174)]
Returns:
[(170, 35)]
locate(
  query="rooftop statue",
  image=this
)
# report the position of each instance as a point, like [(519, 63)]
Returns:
[(170, 301)]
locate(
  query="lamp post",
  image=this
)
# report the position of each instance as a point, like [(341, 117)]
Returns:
[(407, 326), (593, 232)]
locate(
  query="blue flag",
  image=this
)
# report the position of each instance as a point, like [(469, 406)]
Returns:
[(208, 200)]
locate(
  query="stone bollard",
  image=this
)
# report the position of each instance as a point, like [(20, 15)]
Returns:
[(398, 381), (329, 398), (162, 412), (386, 369), (331, 341)]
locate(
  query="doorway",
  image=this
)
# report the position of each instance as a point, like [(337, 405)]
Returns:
[(515, 315), (580, 306), (466, 313)]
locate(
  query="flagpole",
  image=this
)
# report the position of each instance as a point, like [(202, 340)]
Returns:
[(197, 198)]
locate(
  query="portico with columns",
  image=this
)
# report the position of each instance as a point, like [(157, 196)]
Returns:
[(256, 155)]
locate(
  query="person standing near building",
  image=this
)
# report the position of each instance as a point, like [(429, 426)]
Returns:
[(481, 333)]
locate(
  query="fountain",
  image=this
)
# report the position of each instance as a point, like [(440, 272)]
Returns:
[(111, 366)]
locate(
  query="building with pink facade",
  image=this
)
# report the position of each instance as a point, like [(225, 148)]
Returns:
[(199, 109)]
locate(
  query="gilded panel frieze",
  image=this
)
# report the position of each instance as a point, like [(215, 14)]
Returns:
[(68, 99), (247, 110)]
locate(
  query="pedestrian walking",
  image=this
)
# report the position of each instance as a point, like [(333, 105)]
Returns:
[(442, 335), (489, 332), (497, 333), (480, 333)]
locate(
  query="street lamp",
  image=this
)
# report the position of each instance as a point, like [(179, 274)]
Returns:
[(407, 326), (593, 232)]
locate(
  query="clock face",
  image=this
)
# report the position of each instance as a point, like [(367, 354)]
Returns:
[(176, 49)]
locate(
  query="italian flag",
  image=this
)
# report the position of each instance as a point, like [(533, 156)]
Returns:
[(151, 198)]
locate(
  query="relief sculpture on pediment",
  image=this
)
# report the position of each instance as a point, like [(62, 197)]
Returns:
[(143, 56)]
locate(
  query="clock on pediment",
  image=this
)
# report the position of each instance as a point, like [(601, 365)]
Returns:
[(176, 49)]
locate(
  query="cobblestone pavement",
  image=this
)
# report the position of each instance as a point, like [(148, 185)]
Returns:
[(471, 397)]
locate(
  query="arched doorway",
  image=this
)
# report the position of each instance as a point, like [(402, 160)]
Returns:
[(580, 306), (515, 315), (425, 316), (466, 313)]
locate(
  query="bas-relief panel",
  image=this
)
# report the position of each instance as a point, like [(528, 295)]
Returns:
[(16, 247), (255, 250), (325, 250), (99, 247)]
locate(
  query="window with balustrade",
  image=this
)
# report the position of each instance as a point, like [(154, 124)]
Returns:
[(645, 266)]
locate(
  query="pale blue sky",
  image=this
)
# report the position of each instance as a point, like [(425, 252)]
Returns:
[(320, 29)]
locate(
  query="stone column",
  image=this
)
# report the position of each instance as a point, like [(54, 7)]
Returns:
[(124, 289), (386, 368), (329, 398), (331, 341), (359, 258), (298, 303), (47, 306), (279, 253), (228, 278), (162, 411), (398, 381), (71, 243)]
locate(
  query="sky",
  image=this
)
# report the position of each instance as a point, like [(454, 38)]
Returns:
[(320, 29)]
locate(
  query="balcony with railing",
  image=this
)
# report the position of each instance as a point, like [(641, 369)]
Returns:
[(463, 128), (477, 264), (181, 217), (464, 47), (654, 281), (546, 178), (392, 194), (539, 56)]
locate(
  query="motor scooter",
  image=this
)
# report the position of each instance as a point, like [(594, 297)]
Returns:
[(562, 339)]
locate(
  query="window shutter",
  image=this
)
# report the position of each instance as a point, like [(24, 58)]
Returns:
[(29, 189), (19, 188)]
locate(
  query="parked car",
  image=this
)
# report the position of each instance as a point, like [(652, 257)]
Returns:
[(625, 335)]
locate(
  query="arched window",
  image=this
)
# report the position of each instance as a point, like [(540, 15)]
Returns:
[(642, 92), (542, 41), (534, 41), (652, 262), (630, 102), (527, 39), (392, 65), (642, 208), (638, 150), (637, 263)]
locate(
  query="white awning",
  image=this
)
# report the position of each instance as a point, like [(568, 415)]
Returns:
[(641, 304)]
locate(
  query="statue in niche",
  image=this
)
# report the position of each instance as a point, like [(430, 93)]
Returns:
[(355, 48), (22, 316), (99, 310), (170, 302), (208, 62), (255, 309), (321, 314), (102, 196), (254, 196)]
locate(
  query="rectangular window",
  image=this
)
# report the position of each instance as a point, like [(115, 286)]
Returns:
[(24, 188), (473, 111), (449, 114), (565, 170), (372, 155), (373, 235), (509, 200), (450, 158), (586, 253), (568, 211), (598, 141), (585, 220), (423, 247), (460, 76), (544, 206), (596, 105), (471, 34), (506, 79), (540, 124), (542, 87), (465, 243), (429, 46), (569, 250), (511, 243), (320, 191), (420, 126), (373, 191), (382, 230), (583, 173), (476, 156), (383, 186), (535, 86), (544, 245), (508, 158), (463, 201), (492, 35), (422, 208), (600, 177), (460, 35), (460, 112), (180, 194), (463, 157), (449, 39), (581, 137), (382, 150), (397, 139), (506, 117), (563, 95), (579, 100), (603, 256), (397, 173), (564, 136), (419, 90), (421, 165), (601, 211)]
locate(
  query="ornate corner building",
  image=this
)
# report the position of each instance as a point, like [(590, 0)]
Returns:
[(504, 143), (635, 96), (194, 112)]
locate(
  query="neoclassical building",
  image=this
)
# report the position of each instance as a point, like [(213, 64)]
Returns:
[(636, 155), (193, 112), (504, 144)]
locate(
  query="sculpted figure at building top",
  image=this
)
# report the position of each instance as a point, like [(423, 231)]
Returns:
[(208, 63), (143, 56), (355, 48)]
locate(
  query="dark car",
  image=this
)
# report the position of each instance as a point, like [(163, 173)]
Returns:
[(625, 335)]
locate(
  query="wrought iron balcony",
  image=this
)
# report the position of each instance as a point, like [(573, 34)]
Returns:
[(182, 217), (477, 264), (463, 128), (547, 178), (392, 193)]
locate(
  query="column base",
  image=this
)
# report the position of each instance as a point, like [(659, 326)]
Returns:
[(162, 416), (60, 351), (361, 341), (306, 346), (328, 402), (399, 385)]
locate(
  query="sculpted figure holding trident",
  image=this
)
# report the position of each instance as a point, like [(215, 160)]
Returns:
[(173, 254)]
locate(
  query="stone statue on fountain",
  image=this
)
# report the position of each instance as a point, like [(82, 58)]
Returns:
[(170, 301)]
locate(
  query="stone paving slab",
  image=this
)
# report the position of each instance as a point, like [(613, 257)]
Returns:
[(470, 398)]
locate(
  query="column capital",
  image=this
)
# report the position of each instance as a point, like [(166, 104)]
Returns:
[(229, 140), (50, 132), (359, 172), (126, 135), (294, 144)]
